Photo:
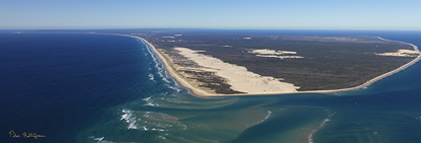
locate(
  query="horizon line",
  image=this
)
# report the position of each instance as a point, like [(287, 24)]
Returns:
[(260, 29)]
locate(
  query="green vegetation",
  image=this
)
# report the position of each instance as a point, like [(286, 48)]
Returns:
[(328, 63)]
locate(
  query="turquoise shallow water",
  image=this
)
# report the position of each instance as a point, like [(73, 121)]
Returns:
[(102, 88)]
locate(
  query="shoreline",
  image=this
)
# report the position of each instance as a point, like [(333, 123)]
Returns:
[(179, 80), (168, 68), (199, 93)]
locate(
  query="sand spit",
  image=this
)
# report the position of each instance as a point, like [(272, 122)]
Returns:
[(275, 54), (197, 92), (238, 77), (400, 53)]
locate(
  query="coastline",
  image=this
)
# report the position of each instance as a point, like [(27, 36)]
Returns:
[(199, 93), (172, 72)]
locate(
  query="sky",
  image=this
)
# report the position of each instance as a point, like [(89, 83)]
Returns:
[(211, 14)]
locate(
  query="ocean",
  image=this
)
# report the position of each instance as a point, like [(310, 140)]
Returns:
[(90, 88)]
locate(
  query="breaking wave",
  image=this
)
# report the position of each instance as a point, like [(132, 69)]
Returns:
[(129, 118), (99, 139), (324, 122), (158, 64)]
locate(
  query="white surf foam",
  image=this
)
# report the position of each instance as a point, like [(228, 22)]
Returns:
[(267, 115), (158, 64), (162, 137), (149, 102), (324, 122), (155, 129), (310, 136), (151, 77), (174, 88), (129, 118), (99, 139), (147, 98)]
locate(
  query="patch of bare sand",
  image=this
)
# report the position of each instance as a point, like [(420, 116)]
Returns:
[(237, 76), (401, 53), (275, 54)]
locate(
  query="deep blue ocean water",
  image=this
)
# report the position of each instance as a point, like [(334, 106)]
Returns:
[(105, 88)]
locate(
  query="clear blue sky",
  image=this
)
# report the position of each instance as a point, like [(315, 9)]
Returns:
[(219, 14)]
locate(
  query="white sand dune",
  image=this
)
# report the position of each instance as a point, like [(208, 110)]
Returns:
[(237, 76), (275, 54), (271, 52), (400, 53)]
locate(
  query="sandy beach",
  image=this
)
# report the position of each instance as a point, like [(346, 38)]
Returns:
[(289, 87), (173, 73)]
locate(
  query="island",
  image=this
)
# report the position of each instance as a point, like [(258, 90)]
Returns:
[(221, 64)]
